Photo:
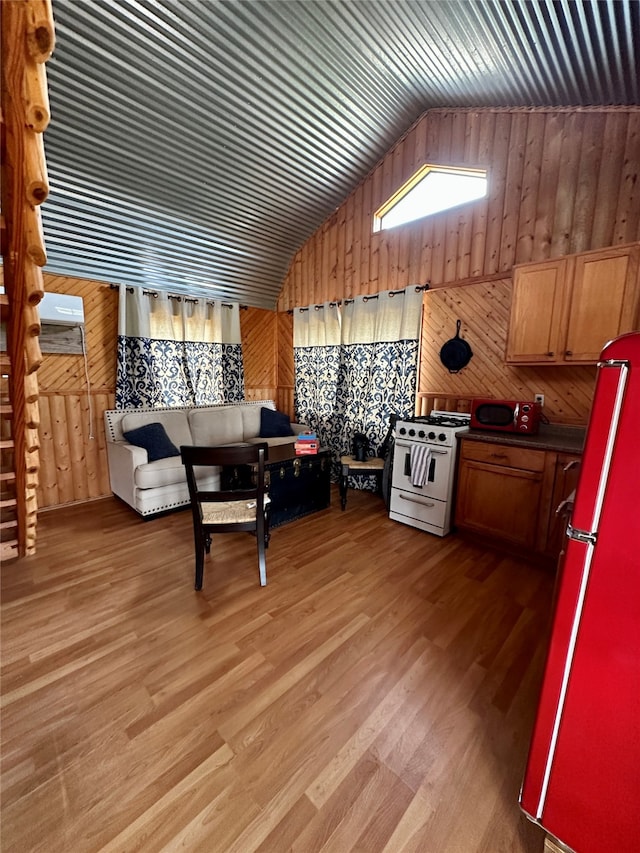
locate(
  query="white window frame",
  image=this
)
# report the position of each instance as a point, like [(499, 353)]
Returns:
[(421, 175)]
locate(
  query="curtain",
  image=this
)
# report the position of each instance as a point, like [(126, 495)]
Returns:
[(316, 354), (355, 366), (177, 351)]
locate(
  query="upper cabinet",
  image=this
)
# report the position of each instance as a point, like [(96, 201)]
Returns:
[(564, 311)]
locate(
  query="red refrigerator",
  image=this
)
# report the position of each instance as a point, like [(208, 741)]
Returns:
[(582, 780)]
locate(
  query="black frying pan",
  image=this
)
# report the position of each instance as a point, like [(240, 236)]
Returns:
[(456, 353)]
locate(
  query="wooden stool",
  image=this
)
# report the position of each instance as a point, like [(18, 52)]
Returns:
[(348, 465)]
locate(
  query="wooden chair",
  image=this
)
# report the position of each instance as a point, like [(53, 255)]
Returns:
[(228, 510)]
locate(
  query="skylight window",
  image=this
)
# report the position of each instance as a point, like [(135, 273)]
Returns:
[(430, 190)]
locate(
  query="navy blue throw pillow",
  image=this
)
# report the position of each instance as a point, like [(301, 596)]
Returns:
[(154, 439), (274, 424)]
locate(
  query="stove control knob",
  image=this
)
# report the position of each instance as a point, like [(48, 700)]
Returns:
[(412, 432), (432, 435), (402, 430), (442, 437), (420, 433)]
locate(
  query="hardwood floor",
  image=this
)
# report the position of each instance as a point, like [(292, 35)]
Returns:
[(377, 695)]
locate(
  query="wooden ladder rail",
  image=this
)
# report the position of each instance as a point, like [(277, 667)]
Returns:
[(28, 40)]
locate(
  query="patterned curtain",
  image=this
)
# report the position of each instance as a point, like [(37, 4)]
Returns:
[(356, 366), (177, 351)]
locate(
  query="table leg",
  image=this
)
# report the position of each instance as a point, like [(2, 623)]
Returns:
[(344, 480)]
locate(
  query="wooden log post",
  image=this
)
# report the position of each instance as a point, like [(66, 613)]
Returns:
[(32, 460), (33, 283), (32, 415), (33, 354), (32, 326), (37, 109), (31, 388), (35, 235), (35, 167), (41, 38), (32, 440)]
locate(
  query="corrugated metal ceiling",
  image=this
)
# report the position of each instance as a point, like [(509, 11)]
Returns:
[(195, 146)]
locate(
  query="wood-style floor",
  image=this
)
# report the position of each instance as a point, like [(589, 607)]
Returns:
[(377, 695)]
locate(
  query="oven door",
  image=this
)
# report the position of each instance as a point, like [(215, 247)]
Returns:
[(439, 465)]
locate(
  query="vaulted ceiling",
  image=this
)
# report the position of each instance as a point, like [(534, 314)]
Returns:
[(195, 145)]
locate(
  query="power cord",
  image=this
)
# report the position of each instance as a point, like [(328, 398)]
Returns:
[(86, 373)]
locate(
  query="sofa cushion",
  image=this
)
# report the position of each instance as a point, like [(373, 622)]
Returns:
[(175, 424), (170, 471), (217, 425), (251, 418), (154, 439), (274, 424), (163, 472)]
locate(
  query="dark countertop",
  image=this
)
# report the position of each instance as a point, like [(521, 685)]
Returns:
[(557, 437)]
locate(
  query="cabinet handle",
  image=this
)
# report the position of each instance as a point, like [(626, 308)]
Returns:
[(498, 456), (565, 507), (568, 352), (551, 353), (570, 465)]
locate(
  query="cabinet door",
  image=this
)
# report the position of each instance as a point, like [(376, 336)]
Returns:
[(567, 469), (604, 301), (499, 501), (536, 312)]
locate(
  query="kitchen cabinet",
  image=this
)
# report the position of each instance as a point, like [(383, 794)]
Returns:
[(499, 492), (565, 310), (509, 495)]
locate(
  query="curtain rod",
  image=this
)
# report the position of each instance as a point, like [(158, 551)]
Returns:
[(366, 298), (177, 297)]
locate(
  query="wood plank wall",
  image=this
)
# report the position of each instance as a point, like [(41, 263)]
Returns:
[(483, 308), (72, 442), (73, 459), (561, 181)]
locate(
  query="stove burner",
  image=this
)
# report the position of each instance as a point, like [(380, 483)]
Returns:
[(444, 420)]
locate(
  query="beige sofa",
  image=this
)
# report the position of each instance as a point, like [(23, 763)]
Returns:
[(154, 487)]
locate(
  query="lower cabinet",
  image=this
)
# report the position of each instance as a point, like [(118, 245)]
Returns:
[(509, 495)]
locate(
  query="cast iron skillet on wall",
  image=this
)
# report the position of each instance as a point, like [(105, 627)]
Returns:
[(456, 353)]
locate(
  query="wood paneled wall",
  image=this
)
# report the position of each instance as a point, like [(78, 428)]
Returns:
[(483, 307), (258, 328), (73, 459), (560, 181)]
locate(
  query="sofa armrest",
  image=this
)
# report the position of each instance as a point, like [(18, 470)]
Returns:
[(124, 458), (298, 428)]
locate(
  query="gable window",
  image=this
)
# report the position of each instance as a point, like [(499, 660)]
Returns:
[(430, 190)]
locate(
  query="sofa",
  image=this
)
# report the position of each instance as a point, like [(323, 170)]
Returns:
[(152, 487)]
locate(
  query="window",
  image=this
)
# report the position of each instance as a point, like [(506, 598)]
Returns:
[(430, 190)]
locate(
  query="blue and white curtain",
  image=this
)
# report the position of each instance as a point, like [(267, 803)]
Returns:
[(356, 365), (177, 351)]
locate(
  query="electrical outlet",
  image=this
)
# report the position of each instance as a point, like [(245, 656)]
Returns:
[(539, 398)]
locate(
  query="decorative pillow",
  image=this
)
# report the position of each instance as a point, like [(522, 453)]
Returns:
[(154, 439), (274, 424)]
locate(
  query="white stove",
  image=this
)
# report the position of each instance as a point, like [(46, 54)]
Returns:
[(424, 464)]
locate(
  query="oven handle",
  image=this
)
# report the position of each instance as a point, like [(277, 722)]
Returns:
[(408, 444), (416, 500)]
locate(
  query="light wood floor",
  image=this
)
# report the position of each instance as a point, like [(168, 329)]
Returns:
[(377, 695)]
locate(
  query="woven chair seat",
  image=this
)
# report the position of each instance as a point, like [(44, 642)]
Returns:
[(230, 512)]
